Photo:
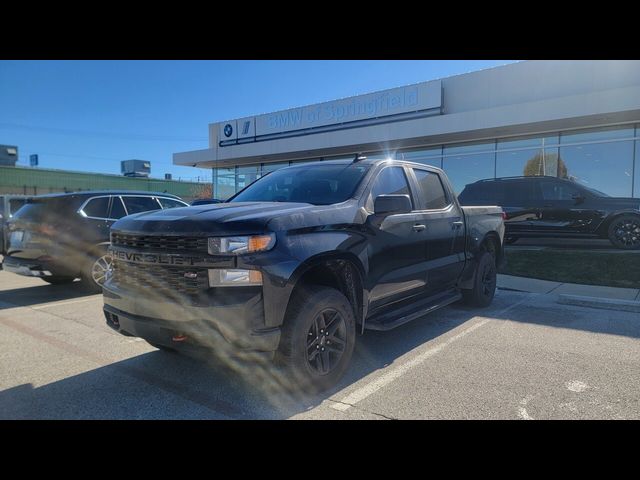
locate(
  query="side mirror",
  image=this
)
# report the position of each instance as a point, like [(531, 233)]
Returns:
[(391, 204)]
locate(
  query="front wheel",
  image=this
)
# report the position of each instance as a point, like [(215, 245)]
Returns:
[(318, 338), (96, 272), (624, 232), (484, 286)]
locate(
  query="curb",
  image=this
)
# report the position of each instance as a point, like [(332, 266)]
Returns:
[(597, 302)]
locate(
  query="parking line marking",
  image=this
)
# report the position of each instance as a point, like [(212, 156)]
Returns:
[(57, 304), (391, 375)]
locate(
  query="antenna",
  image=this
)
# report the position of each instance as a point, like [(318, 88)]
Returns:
[(359, 157)]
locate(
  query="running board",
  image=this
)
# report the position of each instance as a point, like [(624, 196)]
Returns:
[(411, 312)]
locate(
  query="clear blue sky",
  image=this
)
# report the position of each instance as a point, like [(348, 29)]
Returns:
[(89, 115)]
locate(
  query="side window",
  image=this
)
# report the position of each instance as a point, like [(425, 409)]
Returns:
[(117, 209), (558, 191), (97, 207), (431, 189), (140, 204), (390, 181), (170, 203)]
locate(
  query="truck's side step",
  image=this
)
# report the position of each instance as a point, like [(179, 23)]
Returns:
[(393, 319)]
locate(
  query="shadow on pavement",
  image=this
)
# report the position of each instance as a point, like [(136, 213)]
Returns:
[(162, 385), (45, 293)]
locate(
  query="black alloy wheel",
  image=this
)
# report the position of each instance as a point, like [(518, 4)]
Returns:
[(326, 341), (624, 232)]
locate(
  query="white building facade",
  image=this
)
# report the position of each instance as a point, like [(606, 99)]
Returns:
[(572, 119)]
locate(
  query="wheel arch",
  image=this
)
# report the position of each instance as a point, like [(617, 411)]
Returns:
[(342, 271)]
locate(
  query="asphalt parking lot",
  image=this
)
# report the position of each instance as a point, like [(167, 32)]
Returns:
[(525, 357)]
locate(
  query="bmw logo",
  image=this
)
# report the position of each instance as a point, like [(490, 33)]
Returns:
[(228, 130)]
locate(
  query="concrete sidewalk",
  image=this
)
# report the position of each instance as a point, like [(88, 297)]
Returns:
[(533, 285)]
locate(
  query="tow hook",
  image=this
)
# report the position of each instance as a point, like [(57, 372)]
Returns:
[(179, 338)]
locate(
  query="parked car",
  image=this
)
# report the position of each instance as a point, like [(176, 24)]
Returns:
[(205, 201), (288, 267), (553, 207), (9, 204), (60, 237)]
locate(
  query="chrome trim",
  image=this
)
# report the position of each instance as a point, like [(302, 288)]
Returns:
[(155, 197)]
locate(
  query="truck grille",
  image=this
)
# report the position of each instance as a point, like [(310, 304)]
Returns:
[(161, 278), (159, 242)]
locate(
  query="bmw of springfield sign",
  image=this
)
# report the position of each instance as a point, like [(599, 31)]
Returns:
[(422, 97)]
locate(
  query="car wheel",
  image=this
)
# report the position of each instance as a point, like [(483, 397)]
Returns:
[(57, 280), (318, 338), (510, 240), (484, 286), (95, 273), (624, 232)]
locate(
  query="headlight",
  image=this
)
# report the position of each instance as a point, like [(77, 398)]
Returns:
[(227, 277), (241, 245)]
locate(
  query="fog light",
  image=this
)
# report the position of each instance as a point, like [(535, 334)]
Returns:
[(227, 277)]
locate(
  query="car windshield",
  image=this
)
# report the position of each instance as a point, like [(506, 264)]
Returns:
[(316, 184)]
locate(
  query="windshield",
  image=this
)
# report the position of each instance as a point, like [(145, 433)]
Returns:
[(316, 184)]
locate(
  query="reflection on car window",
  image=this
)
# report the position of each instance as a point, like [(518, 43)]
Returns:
[(117, 210), (390, 181), (558, 191), (97, 207), (140, 204), (170, 203), (431, 189), (316, 184)]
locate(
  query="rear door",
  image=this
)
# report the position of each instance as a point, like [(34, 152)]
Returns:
[(520, 201), (443, 232), (566, 208), (96, 218)]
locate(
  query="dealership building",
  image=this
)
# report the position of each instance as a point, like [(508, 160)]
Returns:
[(572, 119)]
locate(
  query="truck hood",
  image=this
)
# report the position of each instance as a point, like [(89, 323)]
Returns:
[(234, 218)]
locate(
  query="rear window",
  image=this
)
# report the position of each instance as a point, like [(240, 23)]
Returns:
[(140, 204), (170, 203), (97, 207)]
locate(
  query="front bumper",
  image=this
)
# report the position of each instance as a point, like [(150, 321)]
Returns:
[(32, 267), (231, 323)]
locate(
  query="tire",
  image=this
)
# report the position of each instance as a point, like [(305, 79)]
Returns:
[(484, 286), (93, 273), (624, 232), (510, 240), (310, 313), (57, 280)]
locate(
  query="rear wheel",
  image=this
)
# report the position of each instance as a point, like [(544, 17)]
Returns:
[(484, 286), (58, 280), (318, 338), (624, 232)]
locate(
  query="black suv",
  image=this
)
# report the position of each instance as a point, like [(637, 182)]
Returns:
[(553, 207), (60, 237)]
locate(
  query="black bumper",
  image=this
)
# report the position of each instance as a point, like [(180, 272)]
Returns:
[(232, 325)]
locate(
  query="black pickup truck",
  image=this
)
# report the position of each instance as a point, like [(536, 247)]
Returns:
[(293, 265)]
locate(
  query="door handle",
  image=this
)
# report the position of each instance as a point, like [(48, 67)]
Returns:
[(457, 224), (418, 227)]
